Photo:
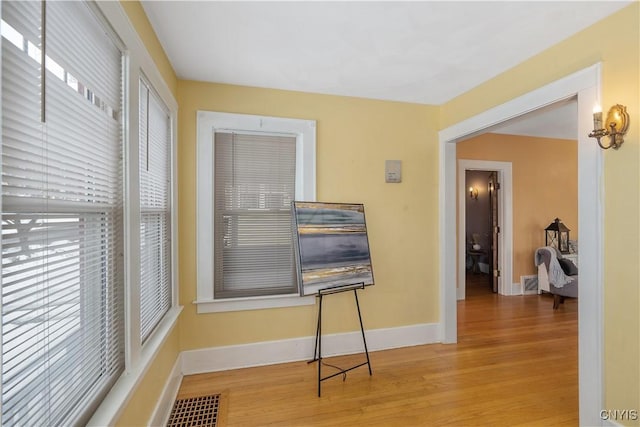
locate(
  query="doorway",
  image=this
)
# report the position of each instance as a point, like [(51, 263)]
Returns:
[(479, 241), (504, 244), (481, 230), (585, 86)]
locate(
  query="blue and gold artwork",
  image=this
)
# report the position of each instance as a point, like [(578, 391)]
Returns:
[(332, 246)]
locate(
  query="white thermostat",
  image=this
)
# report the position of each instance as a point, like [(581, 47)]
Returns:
[(393, 171)]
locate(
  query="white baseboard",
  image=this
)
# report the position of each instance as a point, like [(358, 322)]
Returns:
[(610, 418), (516, 289), (610, 423), (510, 289), (271, 352), (162, 411)]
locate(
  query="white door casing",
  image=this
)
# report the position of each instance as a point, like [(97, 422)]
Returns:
[(585, 85)]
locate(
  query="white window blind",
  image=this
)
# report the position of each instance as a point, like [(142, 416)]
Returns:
[(155, 213), (254, 185), (62, 266)]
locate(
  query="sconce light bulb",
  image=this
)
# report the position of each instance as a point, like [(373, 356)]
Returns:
[(597, 117)]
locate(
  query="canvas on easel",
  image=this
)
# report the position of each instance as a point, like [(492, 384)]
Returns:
[(332, 246)]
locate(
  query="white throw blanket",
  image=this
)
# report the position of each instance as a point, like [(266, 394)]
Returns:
[(556, 275)]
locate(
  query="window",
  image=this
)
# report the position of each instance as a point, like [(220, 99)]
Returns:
[(250, 169), (62, 213), (88, 290), (254, 182), (155, 212)]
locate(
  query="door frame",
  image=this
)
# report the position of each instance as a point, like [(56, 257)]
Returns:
[(505, 222), (585, 85)]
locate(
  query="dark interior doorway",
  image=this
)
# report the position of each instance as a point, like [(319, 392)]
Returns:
[(481, 230)]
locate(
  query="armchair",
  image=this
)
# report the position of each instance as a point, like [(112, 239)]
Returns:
[(553, 278)]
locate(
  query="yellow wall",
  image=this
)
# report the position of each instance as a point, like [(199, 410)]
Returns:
[(354, 138), (615, 42), (545, 186)]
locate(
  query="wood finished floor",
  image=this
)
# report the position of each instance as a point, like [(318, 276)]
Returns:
[(515, 364)]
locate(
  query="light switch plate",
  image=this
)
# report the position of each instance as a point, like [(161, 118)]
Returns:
[(393, 171)]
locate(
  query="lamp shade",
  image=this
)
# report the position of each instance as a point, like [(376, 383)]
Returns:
[(557, 236)]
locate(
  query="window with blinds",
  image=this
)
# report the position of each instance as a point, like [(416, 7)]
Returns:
[(249, 170), (155, 213), (62, 212), (254, 185)]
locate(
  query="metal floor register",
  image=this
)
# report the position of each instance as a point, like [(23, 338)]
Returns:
[(199, 411)]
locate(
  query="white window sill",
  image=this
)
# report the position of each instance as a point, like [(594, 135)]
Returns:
[(117, 399), (252, 303)]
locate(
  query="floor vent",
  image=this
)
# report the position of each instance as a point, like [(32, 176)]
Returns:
[(195, 412)]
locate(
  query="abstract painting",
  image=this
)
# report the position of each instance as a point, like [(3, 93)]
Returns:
[(332, 247)]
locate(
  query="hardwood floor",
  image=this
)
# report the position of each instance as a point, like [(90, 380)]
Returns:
[(515, 364)]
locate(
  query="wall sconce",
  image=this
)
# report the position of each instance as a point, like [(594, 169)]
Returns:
[(473, 193), (617, 121)]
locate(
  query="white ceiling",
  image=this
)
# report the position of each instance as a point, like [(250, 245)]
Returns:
[(559, 120), (422, 51)]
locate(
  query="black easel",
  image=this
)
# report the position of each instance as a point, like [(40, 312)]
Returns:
[(317, 352)]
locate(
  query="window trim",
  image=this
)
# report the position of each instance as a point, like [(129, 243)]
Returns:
[(209, 122)]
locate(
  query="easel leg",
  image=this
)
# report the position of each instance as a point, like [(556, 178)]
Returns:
[(319, 344), (364, 340), (315, 348), (317, 351)]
